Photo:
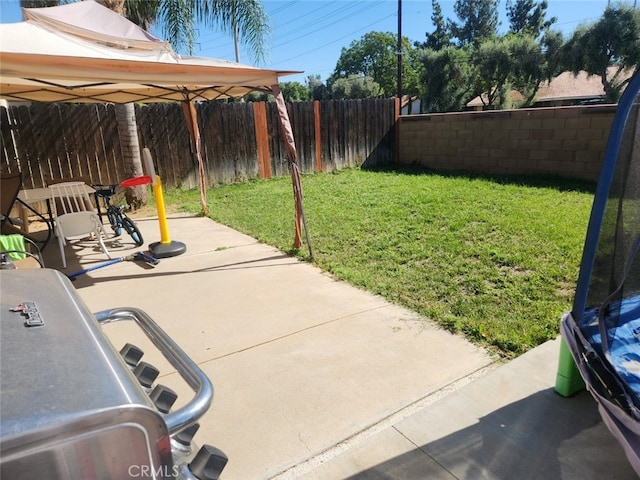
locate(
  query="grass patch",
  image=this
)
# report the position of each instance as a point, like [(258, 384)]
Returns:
[(493, 258)]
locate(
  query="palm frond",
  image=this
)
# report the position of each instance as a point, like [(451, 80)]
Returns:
[(247, 17)]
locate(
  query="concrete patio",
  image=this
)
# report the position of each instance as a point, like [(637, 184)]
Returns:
[(316, 379)]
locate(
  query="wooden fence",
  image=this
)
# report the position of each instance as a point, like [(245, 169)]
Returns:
[(240, 141), (243, 141)]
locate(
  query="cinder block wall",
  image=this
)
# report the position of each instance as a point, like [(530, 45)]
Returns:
[(564, 141)]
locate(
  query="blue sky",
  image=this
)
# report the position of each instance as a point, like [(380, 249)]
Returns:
[(308, 35)]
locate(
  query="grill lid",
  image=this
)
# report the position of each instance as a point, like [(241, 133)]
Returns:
[(57, 367)]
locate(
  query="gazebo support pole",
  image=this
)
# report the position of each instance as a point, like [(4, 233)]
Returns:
[(191, 117), (292, 156)]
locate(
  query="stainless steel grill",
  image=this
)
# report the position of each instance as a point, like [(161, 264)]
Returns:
[(74, 407)]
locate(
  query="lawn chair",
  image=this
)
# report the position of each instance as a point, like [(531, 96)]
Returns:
[(74, 215), (10, 186), (92, 205)]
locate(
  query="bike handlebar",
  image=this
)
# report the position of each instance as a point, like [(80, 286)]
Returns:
[(105, 190)]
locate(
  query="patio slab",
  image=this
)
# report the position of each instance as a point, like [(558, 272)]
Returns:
[(316, 379), (299, 361), (508, 424)]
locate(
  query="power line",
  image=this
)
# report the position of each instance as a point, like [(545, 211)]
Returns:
[(301, 30), (349, 35), (319, 26)]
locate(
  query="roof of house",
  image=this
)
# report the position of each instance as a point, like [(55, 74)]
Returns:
[(568, 85), (565, 86)]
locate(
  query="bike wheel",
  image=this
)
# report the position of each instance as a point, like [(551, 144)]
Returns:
[(132, 229), (114, 220)]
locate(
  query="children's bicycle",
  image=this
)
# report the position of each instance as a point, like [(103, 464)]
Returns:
[(116, 213)]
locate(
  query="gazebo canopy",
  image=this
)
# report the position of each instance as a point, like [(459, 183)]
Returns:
[(84, 52)]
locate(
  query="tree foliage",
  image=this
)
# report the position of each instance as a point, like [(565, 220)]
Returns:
[(529, 17), (510, 69), (317, 89), (490, 66), (447, 79), (492, 62), (477, 21), (441, 36), (375, 56), (295, 92), (528, 68), (608, 48), (354, 86), (38, 3), (244, 19)]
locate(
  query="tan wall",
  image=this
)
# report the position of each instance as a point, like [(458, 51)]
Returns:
[(564, 141)]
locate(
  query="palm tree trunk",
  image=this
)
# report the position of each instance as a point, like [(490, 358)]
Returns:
[(236, 33), (128, 133)]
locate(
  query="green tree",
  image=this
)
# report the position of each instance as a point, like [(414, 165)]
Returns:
[(446, 78), (354, 86), (477, 20), (533, 46), (550, 45), (528, 16), (440, 37), (608, 48), (527, 68), (257, 96), (317, 89), (492, 62), (514, 63), (292, 91), (295, 92), (375, 56)]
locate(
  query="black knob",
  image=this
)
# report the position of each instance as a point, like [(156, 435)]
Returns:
[(131, 354), (146, 374), (163, 398), (186, 435), (208, 463)]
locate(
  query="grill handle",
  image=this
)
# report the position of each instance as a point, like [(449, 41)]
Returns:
[(187, 368)]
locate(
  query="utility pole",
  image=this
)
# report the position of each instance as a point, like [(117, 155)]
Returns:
[(400, 51)]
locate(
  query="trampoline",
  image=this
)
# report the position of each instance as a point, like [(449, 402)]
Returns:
[(602, 331)]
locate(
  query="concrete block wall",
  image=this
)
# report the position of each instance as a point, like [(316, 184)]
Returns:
[(563, 141)]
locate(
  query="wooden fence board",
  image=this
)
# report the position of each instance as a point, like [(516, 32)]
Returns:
[(48, 141), (26, 149), (112, 150), (58, 153)]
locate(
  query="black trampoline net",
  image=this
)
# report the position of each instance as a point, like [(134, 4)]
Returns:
[(614, 289)]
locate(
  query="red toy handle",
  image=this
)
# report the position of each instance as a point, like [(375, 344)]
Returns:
[(132, 182)]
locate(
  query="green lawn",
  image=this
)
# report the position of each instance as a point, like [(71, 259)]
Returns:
[(495, 259)]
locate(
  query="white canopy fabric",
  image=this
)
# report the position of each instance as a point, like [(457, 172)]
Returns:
[(83, 52), (90, 20), (47, 58)]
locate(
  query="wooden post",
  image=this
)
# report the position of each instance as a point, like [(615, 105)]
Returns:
[(316, 124), (396, 124), (262, 139)]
